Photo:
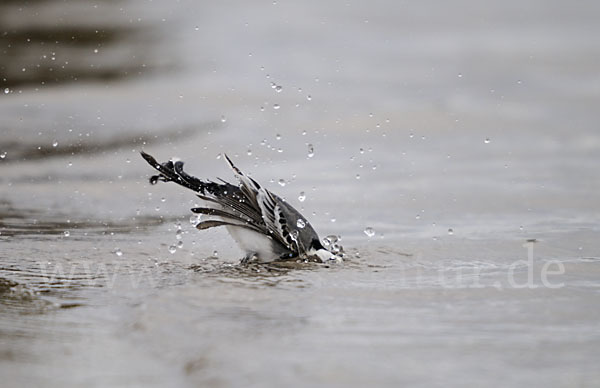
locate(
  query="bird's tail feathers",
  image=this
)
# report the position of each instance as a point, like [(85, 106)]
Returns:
[(172, 171)]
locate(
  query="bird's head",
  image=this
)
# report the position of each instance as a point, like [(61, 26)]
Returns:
[(318, 252)]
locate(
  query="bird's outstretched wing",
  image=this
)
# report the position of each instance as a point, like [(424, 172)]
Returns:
[(228, 198), (248, 205), (268, 204)]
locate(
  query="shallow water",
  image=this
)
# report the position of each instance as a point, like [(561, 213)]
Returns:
[(464, 134)]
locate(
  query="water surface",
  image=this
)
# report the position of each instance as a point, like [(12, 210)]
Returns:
[(464, 134)]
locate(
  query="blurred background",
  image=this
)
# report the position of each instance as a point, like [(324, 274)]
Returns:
[(432, 137)]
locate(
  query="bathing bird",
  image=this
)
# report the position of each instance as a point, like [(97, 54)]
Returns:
[(264, 226)]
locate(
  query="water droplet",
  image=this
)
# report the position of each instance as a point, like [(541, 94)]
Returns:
[(333, 219), (118, 252), (196, 28), (157, 208), (519, 82), (2, 154), (311, 151), (178, 234), (281, 182), (223, 119), (450, 231), (336, 248), (487, 140), (95, 51), (249, 152), (362, 151), (330, 240), (521, 228), (301, 224), (357, 176), (55, 143), (418, 217), (163, 199), (194, 219), (180, 244), (459, 75), (172, 249), (262, 108), (303, 133), (278, 137), (215, 253), (369, 231), (6, 91), (276, 106), (309, 97), (278, 88), (67, 233), (302, 196)]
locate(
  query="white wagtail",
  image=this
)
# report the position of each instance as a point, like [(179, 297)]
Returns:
[(265, 227)]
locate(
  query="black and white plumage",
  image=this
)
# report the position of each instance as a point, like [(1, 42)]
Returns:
[(264, 226)]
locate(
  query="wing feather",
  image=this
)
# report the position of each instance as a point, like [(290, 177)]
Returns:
[(247, 205), (265, 202), (214, 223)]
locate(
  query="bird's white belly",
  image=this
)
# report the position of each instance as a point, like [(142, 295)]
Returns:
[(253, 243)]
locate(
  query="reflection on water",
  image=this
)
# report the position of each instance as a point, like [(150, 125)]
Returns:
[(6, 285), (25, 150), (48, 42), (36, 222), (256, 274)]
